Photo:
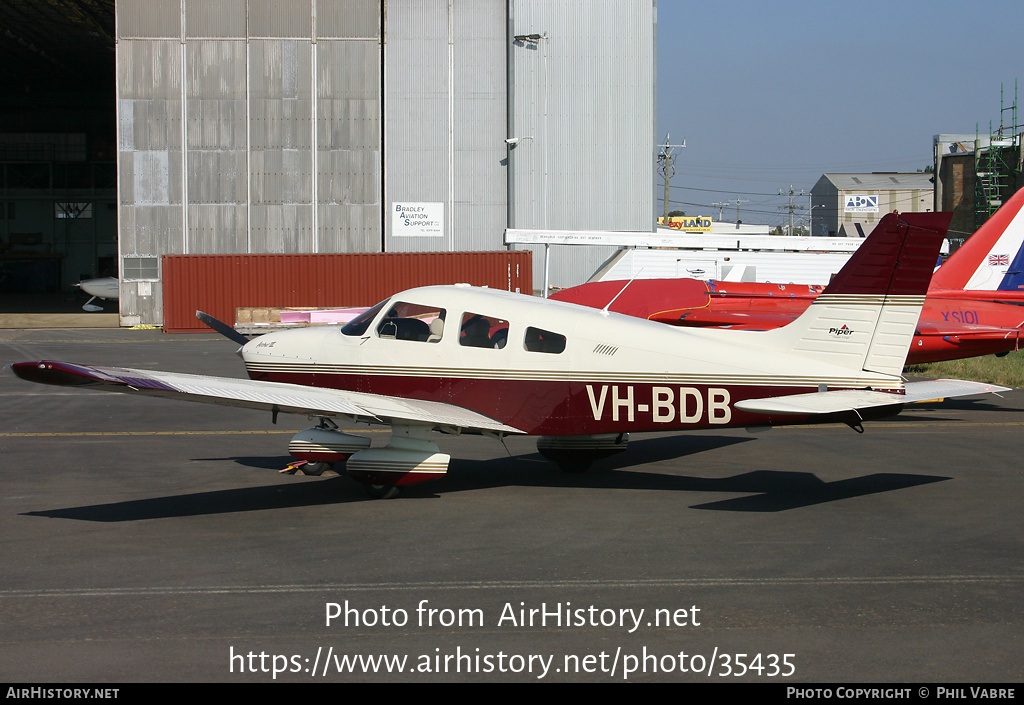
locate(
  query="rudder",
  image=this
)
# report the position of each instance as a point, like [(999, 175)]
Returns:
[(866, 318)]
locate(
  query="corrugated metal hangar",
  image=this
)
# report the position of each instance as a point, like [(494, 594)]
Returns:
[(332, 126)]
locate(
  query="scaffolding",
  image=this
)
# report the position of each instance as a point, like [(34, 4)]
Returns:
[(997, 164)]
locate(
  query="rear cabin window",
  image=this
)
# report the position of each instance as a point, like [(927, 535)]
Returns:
[(544, 341), (405, 321), (479, 331)]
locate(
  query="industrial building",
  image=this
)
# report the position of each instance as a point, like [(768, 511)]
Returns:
[(975, 175), (851, 204), (327, 126)]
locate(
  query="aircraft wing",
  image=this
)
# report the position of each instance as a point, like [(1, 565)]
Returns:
[(857, 400), (759, 320), (969, 332), (252, 394)]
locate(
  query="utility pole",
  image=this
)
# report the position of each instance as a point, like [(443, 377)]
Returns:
[(791, 207), (666, 162), (721, 207), (738, 202)]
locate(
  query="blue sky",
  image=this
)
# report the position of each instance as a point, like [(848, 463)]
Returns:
[(773, 94)]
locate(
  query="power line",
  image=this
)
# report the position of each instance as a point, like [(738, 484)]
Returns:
[(667, 160)]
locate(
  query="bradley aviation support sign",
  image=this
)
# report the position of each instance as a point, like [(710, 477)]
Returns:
[(417, 219)]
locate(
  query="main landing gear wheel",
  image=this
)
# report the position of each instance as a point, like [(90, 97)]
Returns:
[(575, 454), (381, 491), (575, 466), (316, 468)]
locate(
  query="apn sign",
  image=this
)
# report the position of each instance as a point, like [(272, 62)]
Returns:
[(857, 203)]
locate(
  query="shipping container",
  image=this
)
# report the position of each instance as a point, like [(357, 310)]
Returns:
[(219, 284)]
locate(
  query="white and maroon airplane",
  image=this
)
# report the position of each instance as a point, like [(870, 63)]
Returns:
[(460, 359)]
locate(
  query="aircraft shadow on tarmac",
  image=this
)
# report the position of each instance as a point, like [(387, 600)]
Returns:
[(764, 490), (957, 404)]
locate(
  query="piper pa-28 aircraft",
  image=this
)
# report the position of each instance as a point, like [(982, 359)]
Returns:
[(460, 359), (974, 306)]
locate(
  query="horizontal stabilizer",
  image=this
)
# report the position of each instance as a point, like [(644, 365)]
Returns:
[(849, 400), (943, 388), (813, 403)]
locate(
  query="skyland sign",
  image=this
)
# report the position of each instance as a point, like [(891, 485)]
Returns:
[(698, 224)]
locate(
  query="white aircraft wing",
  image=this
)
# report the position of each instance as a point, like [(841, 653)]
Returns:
[(855, 400), (252, 394)]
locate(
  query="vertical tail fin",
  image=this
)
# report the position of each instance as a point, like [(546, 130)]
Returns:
[(984, 261), (1013, 280), (866, 318)]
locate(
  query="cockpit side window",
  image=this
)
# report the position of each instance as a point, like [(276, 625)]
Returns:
[(416, 322), (359, 324), (544, 341), (479, 331)]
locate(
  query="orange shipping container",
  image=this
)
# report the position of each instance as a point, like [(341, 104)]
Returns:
[(219, 284)]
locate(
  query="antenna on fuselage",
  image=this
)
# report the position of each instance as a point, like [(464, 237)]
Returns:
[(604, 310)]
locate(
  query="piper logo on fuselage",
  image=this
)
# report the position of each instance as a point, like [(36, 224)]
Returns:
[(839, 332), (667, 404)]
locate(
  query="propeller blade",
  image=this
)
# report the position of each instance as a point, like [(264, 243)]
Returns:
[(222, 328)]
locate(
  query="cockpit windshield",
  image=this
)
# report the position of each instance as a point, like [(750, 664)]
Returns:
[(359, 324)]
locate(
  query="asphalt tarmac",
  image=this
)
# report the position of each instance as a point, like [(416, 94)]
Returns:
[(150, 540)]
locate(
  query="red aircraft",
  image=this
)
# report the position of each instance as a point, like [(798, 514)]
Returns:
[(964, 314)]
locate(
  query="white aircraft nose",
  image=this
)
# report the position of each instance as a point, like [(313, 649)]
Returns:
[(301, 344), (101, 287)]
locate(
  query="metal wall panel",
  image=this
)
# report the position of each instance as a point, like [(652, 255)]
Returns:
[(149, 69), (480, 114), (348, 141), (217, 228), (219, 284), (150, 178), (584, 106), (281, 142), (215, 18), (150, 158), (584, 92), (416, 84), (280, 18), (448, 70), (216, 159), (348, 19), (148, 18)]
